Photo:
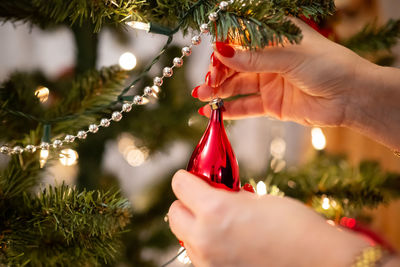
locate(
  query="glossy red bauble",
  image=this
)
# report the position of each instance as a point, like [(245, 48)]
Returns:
[(213, 159)]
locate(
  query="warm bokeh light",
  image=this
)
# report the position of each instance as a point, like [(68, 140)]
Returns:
[(42, 93), (278, 148), (135, 157), (325, 203), (318, 138), (44, 154), (127, 61), (183, 258), (68, 157), (261, 188)]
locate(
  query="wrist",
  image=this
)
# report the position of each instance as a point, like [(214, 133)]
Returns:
[(373, 103), (342, 248)]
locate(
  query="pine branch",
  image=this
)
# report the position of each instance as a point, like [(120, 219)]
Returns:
[(78, 100), (372, 38), (67, 226), (48, 13), (254, 24), (353, 187)]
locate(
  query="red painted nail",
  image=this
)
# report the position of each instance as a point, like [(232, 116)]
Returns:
[(215, 61), (207, 79), (248, 187), (201, 111), (195, 92), (225, 49), (181, 243)]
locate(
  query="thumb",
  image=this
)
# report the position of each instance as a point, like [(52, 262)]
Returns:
[(270, 59)]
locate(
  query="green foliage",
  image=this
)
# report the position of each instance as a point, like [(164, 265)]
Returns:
[(353, 187), (48, 13), (62, 227), (254, 24), (372, 38), (71, 101)]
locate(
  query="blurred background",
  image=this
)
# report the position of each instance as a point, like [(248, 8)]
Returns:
[(140, 154)]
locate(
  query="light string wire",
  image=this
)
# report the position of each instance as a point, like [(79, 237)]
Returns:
[(174, 258), (135, 100)]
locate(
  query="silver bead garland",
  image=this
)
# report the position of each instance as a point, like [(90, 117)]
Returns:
[(137, 100), (57, 143), (81, 135), (167, 72), (116, 116), (178, 62), (196, 40), (93, 128)]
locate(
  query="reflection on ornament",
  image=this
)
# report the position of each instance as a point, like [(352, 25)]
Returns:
[(127, 61), (42, 93), (261, 188), (318, 138), (68, 157), (278, 147), (325, 203), (183, 258), (44, 154)]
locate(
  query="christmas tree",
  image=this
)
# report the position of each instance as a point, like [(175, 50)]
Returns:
[(88, 224)]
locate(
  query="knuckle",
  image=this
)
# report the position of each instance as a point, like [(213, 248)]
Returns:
[(215, 207)]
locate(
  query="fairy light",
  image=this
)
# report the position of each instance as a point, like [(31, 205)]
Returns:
[(68, 157), (183, 258), (325, 203), (127, 61), (318, 138), (44, 155), (139, 25), (261, 188), (42, 93)]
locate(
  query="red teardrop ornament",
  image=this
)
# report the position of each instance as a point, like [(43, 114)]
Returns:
[(213, 159)]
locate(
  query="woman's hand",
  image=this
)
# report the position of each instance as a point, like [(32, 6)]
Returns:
[(317, 82), (221, 228)]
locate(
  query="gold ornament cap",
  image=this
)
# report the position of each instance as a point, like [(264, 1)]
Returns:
[(216, 103)]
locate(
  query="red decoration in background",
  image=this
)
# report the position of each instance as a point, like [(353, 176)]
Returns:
[(323, 28), (213, 159), (248, 187), (372, 237)]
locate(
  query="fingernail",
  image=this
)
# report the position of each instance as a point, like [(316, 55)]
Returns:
[(215, 61), (207, 79), (195, 93), (225, 49), (201, 111), (181, 243), (248, 187)]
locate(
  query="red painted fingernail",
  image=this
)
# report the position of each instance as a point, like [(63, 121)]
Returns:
[(201, 111), (248, 187), (215, 61), (225, 49), (195, 92), (207, 79), (181, 243)]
